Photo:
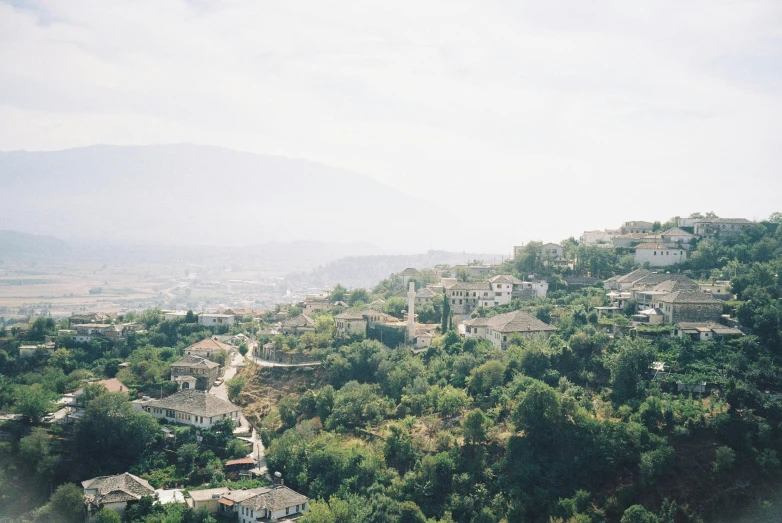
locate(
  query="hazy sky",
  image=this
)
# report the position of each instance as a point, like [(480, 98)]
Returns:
[(534, 120)]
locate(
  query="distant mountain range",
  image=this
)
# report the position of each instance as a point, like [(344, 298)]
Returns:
[(203, 195), (16, 247)]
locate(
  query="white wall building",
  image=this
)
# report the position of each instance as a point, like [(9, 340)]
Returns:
[(214, 320), (659, 255), (190, 407)]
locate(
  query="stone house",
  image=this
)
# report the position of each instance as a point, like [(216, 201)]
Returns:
[(465, 296), (499, 329), (355, 322), (114, 492), (298, 325), (207, 348), (689, 306), (190, 407), (274, 503), (194, 372), (716, 227), (677, 237)]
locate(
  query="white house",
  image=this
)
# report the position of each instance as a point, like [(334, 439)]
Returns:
[(114, 492), (191, 407), (678, 237), (214, 320), (271, 504), (659, 255), (636, 227), (207, 348), (174, 315), (598, 237)]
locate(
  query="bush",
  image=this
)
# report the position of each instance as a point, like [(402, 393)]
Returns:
[(725, 459)]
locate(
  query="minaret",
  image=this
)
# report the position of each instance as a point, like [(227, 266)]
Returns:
[(411, 313)]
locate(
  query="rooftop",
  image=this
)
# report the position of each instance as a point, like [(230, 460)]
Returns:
[(276, 498), (195, 402), (689, 296), (208, 344), (516, 321), (119, 488), (194, 362)]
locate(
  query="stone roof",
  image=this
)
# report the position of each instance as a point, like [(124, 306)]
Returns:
[(274, 499), (410, 271), (730, 220), (195, 402), (637, 223), (208, 494), (302, 320), (117, 489), (676, 231), (505, 278), (657, 246), (516, 321), (364, 315), (208, 344), (689, 296), (470, 286), (194, 362), (630, 276), (426, 292), (718, 328)]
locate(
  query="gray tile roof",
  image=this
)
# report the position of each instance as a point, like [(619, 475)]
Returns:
[(302, 320), (470, 286), (657, 246), (208, 344), (276, 498), (688, 296), (116, 489), (194, 362), (516, 321), (718, 328), (676, 231), (195, 402), (505, 278)]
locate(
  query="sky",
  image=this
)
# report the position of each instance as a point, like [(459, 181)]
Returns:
[(534, 120)]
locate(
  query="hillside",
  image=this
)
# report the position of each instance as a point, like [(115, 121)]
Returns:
[(200, 195)]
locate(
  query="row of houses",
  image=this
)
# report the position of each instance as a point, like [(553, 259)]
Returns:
[(666, 248), (272, 503), (663, 297)]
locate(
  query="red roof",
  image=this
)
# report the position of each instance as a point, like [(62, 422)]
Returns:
[(242, 461)]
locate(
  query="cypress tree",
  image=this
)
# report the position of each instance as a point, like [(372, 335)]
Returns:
[(446, 313)]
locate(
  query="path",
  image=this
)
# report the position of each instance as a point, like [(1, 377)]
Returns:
[(266, 363), (258, 452)]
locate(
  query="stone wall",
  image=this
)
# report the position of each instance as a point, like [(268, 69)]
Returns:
[(696, 312)]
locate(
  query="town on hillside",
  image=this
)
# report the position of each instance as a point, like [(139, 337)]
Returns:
[(647, 355)]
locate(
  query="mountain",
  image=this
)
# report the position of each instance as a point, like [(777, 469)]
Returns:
[(368, 271), (201, 195), (284, 257)]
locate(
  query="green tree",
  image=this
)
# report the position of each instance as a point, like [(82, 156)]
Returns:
[(724, 460), (106, 515), (33, 401), (66, 505), (474, 427), (243, 348), (542, 414), (338, 294), (446, 313), (234, 387), (38, 454), (111, 436), (358, 296), (638, 514), (628, 364)]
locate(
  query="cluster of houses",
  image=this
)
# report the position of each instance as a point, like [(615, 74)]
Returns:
[(463, 298), (273, 503), (664, 248), (694, 309)]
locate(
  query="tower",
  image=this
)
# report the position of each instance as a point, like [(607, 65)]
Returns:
[(411, 313)]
